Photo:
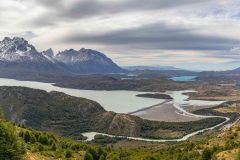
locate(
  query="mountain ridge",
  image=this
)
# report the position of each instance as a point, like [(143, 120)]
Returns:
[(17, 55), (151, 68), (87, 60)]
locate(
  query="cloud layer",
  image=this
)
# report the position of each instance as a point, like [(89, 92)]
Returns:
[(158, 36), (184, 33)]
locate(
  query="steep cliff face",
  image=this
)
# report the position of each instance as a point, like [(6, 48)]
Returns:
[(123, 124)]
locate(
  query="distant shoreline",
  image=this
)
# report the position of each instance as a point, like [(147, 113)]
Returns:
[(155, 95)]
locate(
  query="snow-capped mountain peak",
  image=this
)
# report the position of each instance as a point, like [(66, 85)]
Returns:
[(48, 52), (87, 61), (83, 55), (17, 49), (49, 55)]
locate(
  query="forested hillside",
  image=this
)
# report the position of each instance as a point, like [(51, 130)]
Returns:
[(20, 143)]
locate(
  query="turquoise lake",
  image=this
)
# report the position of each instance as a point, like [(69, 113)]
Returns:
[(184, 78)]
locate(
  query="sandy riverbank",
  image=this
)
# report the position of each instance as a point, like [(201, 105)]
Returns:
[(165, 112), (176, 110)]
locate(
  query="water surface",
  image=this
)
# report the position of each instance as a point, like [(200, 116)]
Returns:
[(117, 101), (184, 78), (180, 98)]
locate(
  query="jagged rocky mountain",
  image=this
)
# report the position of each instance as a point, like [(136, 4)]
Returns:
[(17, 56), (87, 61), (18, 50)]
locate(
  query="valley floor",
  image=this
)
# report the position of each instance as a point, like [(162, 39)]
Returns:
[(165, 112)]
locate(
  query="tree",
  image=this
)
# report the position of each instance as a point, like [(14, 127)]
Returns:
[(33, 139), (102, 157), (207, 154), (40, 147), (88, 156), (75, 147), (10, 147), (26, 136), (54, 147), (112, 156), (93, 152), (150, 158), (238, 154), (184, 158), (21, 133), (43, 140), (68, 154), (1, 115)]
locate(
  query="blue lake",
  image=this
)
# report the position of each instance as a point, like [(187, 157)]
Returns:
[(184, 78)]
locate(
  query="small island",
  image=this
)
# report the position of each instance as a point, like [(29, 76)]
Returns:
[(155, 95)]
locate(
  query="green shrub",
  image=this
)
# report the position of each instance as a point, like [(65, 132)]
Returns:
[(207, 154), (102, 157), (88, 156), (68, 154), (26, 137), (10, 147), (238, 154), (40, 147), (21, 133), (33, 139), (54, 147), (43, 139)]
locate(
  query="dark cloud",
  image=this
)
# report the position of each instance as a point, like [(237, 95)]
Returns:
[(91, 7), (57, 10), (157, 36)]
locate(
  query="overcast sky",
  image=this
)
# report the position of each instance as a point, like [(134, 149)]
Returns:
[(191, 34)]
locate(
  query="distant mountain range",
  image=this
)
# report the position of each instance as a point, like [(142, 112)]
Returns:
[(151, 68), (237, 70), (21, 60), (17, 55)]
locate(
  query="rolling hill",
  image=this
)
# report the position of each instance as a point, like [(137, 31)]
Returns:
[(71, 116)]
